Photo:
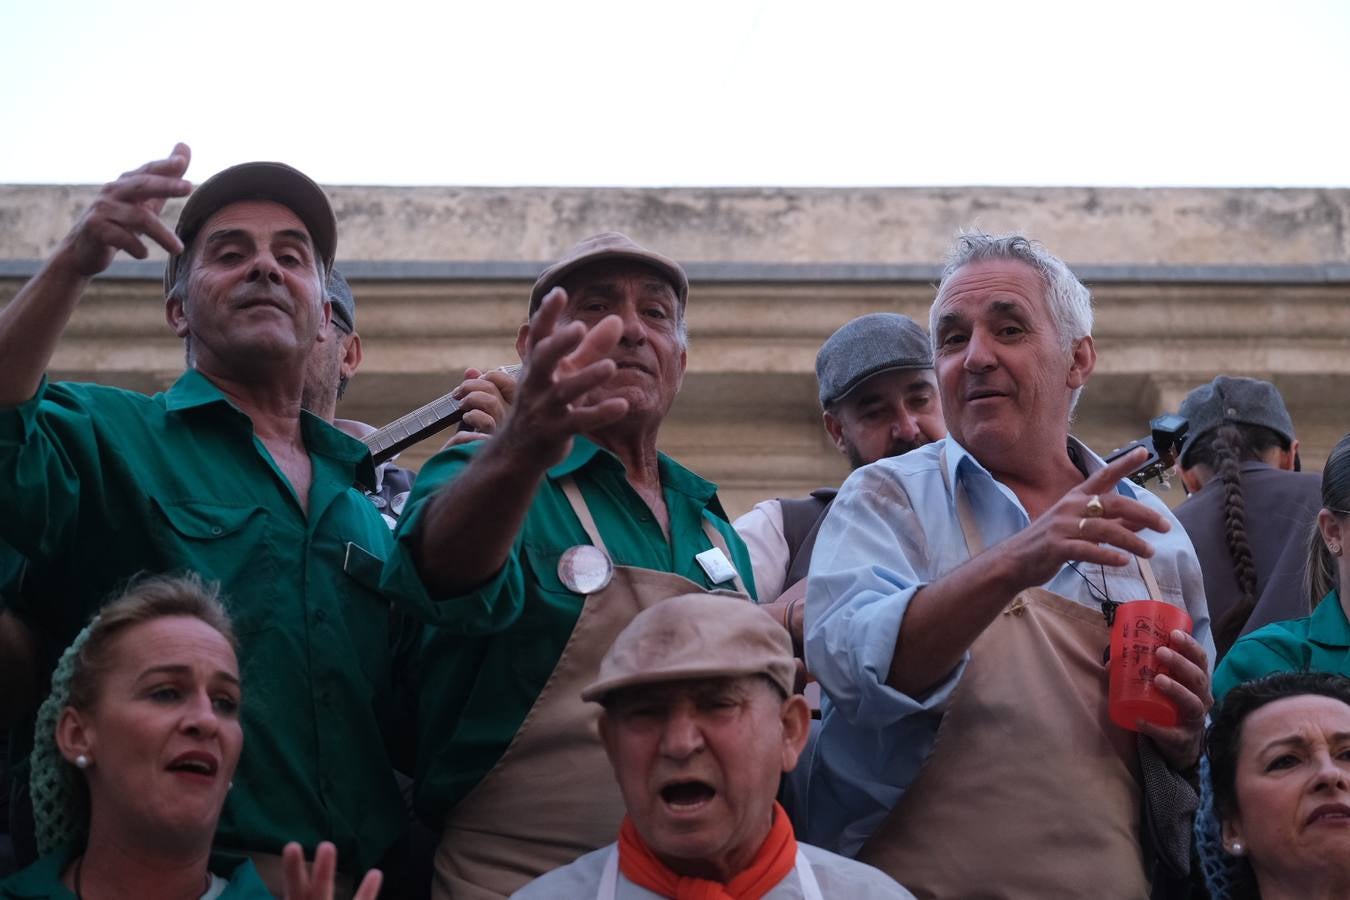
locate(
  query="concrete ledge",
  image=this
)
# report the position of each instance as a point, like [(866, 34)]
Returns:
[(776, 273)]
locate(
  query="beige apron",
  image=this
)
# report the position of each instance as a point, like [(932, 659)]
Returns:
[(1030, 791), (552, 796)]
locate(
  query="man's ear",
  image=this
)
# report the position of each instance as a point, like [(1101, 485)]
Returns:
[(796, 716), (351, 355), (1082, 362), (1190, 479), (175, 315), (522, 339), (835, 429), (1287, 457), (74, 736)]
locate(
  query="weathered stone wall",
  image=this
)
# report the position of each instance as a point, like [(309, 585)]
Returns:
[(1188, 284), (1166, 226)]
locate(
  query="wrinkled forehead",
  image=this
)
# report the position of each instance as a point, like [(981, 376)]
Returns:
[(1302, 719), (989, 285), (258, 218)]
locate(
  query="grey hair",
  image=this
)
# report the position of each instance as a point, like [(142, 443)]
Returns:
[(1068, 301)]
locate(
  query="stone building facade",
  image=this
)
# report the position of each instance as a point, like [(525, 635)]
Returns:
[(1188, 283)]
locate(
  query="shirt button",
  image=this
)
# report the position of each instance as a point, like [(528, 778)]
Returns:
[(216, 529), (320, 616)]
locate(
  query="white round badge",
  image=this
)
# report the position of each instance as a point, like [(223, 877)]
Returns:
[(585, 569)]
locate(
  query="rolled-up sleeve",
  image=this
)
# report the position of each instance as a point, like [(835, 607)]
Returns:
[(49, 459), (489, 608), (870, 559)]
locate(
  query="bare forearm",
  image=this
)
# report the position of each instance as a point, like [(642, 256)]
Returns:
[(470, 524), (31, 325), (945, 618), (17, 660)]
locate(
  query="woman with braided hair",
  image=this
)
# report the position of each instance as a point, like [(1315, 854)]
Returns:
[(133, 756), (1319, 642), (1249, 508)]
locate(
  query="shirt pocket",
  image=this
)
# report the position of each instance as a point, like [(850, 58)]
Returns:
[(541, 569), (224, 543)]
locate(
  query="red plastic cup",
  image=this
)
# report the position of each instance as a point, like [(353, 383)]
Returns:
[(1141, 627)]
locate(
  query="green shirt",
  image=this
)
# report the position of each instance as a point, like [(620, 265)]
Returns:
[(101, 483), (477, 676), (43, 879), (1317, 643)]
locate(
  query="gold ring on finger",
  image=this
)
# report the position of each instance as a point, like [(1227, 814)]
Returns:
[(1081, 523), (1094, 507)]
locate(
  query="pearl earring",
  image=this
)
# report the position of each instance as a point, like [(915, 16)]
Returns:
[(81, 762), (1237, 848), (1335, 548)]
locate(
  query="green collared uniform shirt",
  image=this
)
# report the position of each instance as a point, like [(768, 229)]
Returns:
[(102, 483), (479, 673), (42, 880), (1316, 643)]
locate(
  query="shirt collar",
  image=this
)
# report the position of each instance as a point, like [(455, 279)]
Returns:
[(42, 877), (674, 476), (193, 390), (1328, 627), (960, 463)]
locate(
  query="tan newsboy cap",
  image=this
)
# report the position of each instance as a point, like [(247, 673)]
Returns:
[(608, 245), (700, 635)]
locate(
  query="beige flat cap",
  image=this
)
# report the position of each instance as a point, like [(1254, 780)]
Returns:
[(609, 245), (700, 635)]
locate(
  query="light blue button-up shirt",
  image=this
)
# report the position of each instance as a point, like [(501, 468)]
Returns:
[(892, 530)]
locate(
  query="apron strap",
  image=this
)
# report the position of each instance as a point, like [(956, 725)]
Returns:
[(970, 527), (573, 494), (720, 542), (609, 879), (583, 513), (1146, 571), (810, 887)]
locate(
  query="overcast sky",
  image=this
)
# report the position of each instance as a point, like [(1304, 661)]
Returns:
[(684, 93)]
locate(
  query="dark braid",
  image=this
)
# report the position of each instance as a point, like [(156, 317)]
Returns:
[(1223, 450), (1227, 444)]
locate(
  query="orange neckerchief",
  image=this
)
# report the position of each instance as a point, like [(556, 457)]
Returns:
[(775, 858)]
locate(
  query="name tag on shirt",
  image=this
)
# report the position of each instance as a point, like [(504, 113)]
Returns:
[(716, 565)]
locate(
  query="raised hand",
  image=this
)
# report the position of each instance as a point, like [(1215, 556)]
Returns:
[(1078, 529), (125, 211), (316, 883), (562, 363)]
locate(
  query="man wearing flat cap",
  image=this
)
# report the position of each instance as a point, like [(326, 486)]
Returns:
[(699, 723), (879, 398), (222, 474), (548, 539)]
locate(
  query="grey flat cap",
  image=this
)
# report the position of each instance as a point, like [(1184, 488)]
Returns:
[(867, 346), (1234, 400)]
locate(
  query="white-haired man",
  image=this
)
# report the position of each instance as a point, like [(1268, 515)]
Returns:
[(967, 585)]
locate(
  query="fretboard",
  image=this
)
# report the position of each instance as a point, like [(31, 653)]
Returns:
[(419, 424)]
